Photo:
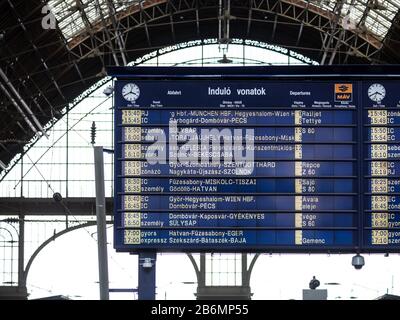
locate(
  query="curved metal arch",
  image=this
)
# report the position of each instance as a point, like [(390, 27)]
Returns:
[(9, 232), (158, 53), (250, 269), (298, 9), (74, 228), (51, 239), (235, 41), (213, 59), (13, 247), (85, 94), (195, 266), (367, 36), (3, 241), (16, 233)]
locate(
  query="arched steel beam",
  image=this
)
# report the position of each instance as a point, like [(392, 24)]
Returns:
[(13, 247), (86, 93), (9, 232), (365, 44), (250, 269), (70, 229), (51, 239), (195, 266)]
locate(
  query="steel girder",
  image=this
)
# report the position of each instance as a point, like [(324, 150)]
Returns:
[(358, 42)]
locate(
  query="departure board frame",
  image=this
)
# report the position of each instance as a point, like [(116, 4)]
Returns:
[(344, 187)]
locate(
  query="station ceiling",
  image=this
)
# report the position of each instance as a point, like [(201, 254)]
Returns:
[(43, 70)]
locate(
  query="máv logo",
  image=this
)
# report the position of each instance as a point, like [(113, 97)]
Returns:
[(343, 92)]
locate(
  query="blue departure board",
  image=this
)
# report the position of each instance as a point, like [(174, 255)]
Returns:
[(305, 160)]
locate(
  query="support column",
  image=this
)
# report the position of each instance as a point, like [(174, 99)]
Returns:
[(21, 292), (147, 276), (101, 223), (21, 251)]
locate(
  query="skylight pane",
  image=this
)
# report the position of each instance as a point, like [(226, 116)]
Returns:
[(69, 16), (70, 21), (375, 25), (356, 13)]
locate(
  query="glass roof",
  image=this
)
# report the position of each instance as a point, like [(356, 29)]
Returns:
[(379, 14), (71, 14)]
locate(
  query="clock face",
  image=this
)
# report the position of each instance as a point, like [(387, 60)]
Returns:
[(130, 92), (376, 92)]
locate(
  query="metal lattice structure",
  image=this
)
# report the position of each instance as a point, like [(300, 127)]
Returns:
[(43, 70)]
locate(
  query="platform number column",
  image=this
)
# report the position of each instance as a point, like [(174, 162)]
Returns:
[(298, 155)]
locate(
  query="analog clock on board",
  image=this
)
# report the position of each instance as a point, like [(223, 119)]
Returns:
[(376, 92), (130, 92)]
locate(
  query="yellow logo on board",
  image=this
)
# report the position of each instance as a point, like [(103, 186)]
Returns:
[(343, 92)]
